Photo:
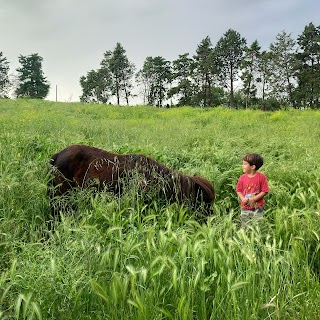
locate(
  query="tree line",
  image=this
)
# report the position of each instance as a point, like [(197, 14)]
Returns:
[(231, 72)]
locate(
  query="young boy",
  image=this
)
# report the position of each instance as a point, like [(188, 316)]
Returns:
[(251, 188)]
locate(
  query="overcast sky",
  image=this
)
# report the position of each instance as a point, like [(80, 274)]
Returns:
[(72, 35)]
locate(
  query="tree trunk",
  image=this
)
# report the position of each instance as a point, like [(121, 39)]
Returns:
[(231, 89)]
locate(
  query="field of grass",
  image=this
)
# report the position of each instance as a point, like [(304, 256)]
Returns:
[(117, 258)]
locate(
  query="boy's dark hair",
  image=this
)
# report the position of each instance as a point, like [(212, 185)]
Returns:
[(253, 159)]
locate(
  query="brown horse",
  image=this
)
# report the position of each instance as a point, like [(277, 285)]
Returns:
[(80, 166)]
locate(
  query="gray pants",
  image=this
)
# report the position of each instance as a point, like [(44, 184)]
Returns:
[(250, 216)]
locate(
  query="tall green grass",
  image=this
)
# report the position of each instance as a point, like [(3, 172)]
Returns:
[(118, 258)]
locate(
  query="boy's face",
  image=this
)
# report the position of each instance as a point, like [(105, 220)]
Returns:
[(247, 168)]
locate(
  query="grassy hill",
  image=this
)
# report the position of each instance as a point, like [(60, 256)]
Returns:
[(117, 258)]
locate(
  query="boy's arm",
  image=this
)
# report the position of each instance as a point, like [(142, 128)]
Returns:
[(258, 196), (241, 197)]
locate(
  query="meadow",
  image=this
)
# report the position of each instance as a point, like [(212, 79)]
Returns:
[(119, 258)]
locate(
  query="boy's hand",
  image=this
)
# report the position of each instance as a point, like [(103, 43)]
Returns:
[(244, 200)]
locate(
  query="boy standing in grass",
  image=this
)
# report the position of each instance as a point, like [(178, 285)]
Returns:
[(251, 188)]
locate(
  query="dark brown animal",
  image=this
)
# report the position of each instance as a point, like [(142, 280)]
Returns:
[(80, 166)]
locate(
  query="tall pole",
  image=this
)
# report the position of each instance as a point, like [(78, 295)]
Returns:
[(56, 93)]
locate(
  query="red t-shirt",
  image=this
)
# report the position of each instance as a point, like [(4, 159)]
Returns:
[(251, 186)]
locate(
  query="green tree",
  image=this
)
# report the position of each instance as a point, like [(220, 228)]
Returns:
[(31, 81), (218, 96), (182, 70), (264, 75), (122, 72), (229, 52), (155, 78), (204, 72), (308, 70), (145, 78), (4, 76), (96, 86), (250, 72), (283, 63)]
